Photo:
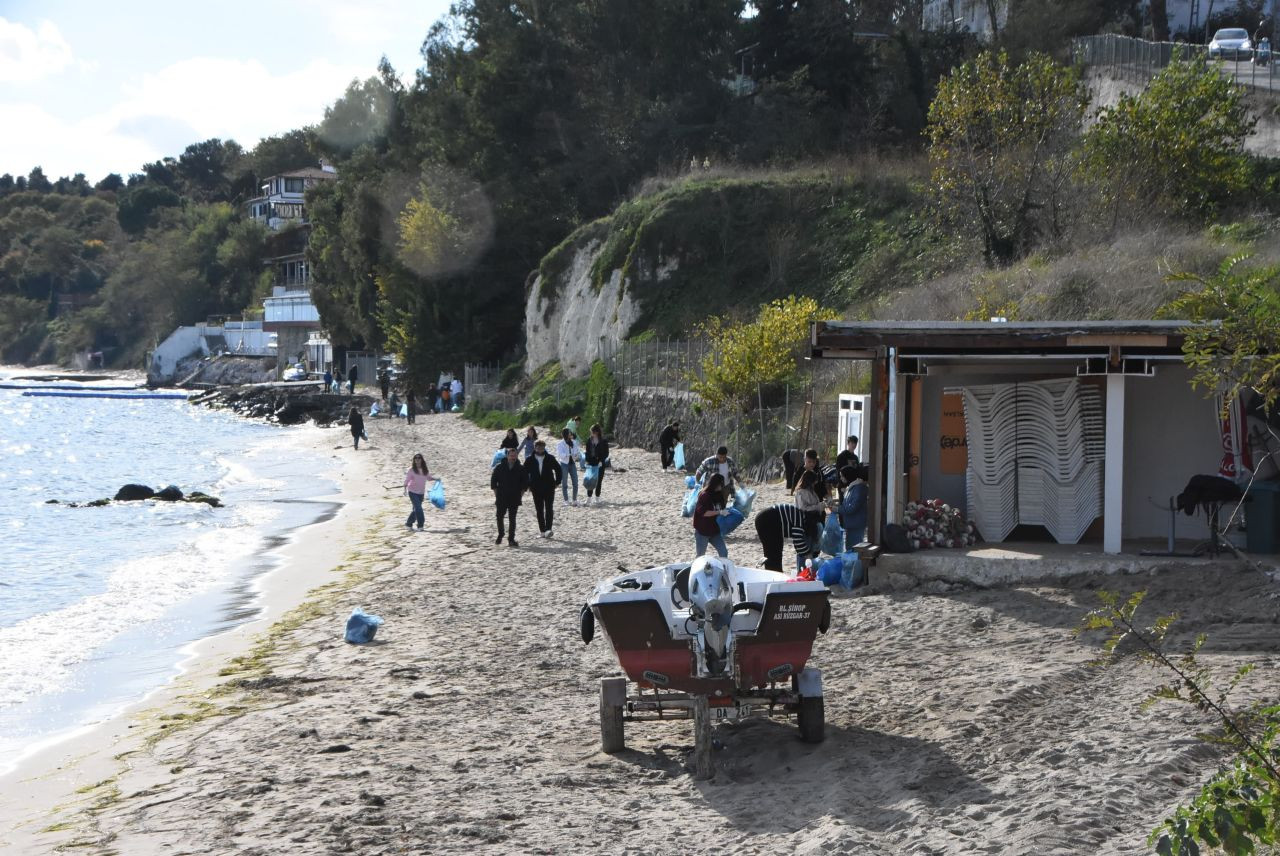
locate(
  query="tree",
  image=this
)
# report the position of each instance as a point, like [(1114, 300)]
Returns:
[(111, 183), (744, 357), (1178, 145), (1000, 143), (1233, 344), (37, 182), (137, 207), (207, 169)]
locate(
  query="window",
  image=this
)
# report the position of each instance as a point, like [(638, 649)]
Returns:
[(293, 185)]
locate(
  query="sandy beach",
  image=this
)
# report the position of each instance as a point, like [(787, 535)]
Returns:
[(965, 722)]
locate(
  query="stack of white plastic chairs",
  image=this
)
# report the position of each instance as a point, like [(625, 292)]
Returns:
[(1035, 456)]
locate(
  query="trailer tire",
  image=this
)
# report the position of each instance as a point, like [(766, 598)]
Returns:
[(612, 734), (811, 719)]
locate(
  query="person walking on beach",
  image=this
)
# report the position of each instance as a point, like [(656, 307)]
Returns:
[(455, 391), (352, 374), (429, 400), (356, 423), (706, 514), (328, 380), (782, 521), (442, 403), (508, 482), (337, 380), (597, 452), (566, 453), (394, 404), (527, 444), (415, 485), (411, 406), (384, 383), (667, 441), (544, 478), (720, 463), (510, 440)]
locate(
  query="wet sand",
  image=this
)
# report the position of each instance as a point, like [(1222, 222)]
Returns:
[(967, 722)]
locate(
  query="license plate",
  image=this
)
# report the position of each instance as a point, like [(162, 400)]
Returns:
[(729, 714)]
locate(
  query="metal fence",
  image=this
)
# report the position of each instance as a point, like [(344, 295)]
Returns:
[(1140, 60)]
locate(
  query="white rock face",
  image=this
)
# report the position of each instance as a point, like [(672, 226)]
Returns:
[(584, 323)]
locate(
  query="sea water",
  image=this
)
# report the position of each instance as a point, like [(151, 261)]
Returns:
[(97, 604)]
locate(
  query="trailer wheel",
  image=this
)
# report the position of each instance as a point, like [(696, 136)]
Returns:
[(812, 719), (613, 696)]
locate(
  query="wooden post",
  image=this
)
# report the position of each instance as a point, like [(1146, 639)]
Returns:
[(703, 764)]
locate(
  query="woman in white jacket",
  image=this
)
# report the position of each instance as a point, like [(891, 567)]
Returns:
[(566, 453)]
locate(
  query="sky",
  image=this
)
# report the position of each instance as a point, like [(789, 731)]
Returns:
[(101, 87)]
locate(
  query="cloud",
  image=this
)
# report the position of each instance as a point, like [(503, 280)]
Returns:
[(164, 112), (27, 55)]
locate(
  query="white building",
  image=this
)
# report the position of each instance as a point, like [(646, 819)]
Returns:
[(289, 312)]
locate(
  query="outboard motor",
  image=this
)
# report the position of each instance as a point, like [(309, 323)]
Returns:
[(711, 596)]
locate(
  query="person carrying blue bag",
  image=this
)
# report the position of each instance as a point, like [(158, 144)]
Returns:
[(706, 513), (597, 452), (415, 486), (853, 505)]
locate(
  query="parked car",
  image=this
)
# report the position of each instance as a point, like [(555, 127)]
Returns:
[(1230, 43)]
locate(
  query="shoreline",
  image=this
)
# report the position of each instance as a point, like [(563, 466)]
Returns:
[(51, 778)]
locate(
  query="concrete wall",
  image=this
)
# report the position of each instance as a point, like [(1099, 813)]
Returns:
[(1170, 435)]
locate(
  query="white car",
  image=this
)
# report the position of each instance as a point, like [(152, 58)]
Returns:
[(1230, 43)]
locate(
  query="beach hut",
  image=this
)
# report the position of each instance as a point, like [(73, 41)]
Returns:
[(1078, 432)]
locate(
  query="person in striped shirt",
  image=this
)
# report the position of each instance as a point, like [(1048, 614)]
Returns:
[(782, 521)]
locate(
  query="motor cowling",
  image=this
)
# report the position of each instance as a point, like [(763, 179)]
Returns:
[(711, 596)]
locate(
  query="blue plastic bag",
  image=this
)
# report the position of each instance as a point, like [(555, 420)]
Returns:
[(742, 499), (830, 570), (362, 627), (679, 456), (687, 506), (832, 536), (690, 482), (498, 457), (436, 494), (404, 410), (593, 475), (731, 521), (851, 570)]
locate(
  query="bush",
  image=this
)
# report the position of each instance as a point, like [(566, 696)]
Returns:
[(602, 397)]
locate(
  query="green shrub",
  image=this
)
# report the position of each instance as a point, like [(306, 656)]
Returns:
[(602, 397), (511, 375)]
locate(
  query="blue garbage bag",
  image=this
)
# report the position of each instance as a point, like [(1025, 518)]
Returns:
[(679, 456), (851, 570), (731, 521), (362, 627), (498, 457), (690, 500), (436, 494), (455, 409), (593, 475), (690, 482), (742, 499), (404, 410), (832, 536), (830, 570)]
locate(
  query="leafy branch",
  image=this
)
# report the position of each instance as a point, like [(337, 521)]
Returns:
[(1238, 808)]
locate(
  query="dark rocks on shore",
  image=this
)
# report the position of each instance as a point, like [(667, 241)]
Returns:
[(133, 493), (137, 492), (285, 405)]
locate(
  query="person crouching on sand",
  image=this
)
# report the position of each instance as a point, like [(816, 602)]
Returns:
[(356, 421), (415, 485)]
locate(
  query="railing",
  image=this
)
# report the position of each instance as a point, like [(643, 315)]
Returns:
[(1140, 60)]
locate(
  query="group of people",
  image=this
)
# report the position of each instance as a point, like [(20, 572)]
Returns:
[(527, 466), (333, 379), (541, 473)]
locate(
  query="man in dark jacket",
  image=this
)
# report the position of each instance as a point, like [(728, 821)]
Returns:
[(508, 482), (544, 477), (351, 379), (667, 443)]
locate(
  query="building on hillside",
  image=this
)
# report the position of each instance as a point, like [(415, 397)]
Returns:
[(1067, 433), (289, 312)]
